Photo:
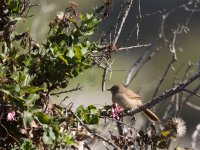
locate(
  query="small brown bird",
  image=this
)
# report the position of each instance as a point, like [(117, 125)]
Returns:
[(126, 98)]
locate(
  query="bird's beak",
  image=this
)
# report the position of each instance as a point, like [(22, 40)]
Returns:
[(108, 90)]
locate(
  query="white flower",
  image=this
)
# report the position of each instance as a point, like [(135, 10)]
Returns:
[(60, 15), (180, 126)]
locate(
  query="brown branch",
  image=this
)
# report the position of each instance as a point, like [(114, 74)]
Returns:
[(67, 91), (178, 88), (186, 101), (191, 92), (163, 77), (104, 79), (190, 95)]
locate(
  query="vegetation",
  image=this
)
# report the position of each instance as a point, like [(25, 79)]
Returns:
[(30, 72)]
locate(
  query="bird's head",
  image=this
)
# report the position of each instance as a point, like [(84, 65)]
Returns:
[(116, 88)]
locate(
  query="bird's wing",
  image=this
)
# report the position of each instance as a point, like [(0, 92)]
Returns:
[(133, 95)]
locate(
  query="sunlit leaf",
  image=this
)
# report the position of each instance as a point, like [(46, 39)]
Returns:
[(63, 59), (165, 133), (43, 118), (70, 53), (68, 140)]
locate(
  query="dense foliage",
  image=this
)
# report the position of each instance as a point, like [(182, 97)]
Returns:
[(31, 71)]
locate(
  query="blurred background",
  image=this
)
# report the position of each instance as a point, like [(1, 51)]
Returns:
[(187, 49)]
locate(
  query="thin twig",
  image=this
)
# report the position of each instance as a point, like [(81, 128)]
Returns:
[(135, 46), (195, 90), (129, 4), (8, 134), (186, 101), (166, 114), (133, 68), (93, 133), (163, 77), (174, 58), (193, 106), (140, 67), (195, 138), (67, 91), (191, 92), (139, 18), (104, 79)]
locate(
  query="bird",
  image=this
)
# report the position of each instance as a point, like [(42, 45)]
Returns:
[(126, 98)]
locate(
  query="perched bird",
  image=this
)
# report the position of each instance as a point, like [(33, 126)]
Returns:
[(126, 98)]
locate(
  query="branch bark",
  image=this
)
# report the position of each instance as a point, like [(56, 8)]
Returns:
[(178, 88)]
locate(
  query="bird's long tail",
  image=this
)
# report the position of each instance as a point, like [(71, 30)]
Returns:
[(150, 115)]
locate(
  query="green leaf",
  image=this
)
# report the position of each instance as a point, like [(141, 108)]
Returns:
[(51, 133), (27, 145), (22, 78), (63, 59), (89, 115), (32, 89), (89, 16), (27, 119), (47, 139), (84, 50), (56, 130), (5, 48), (14, 5), (70, 54), (7, 92), (68, 140), (162, 144), (43, 118), (165, 133), (30, 100), (78, 53)]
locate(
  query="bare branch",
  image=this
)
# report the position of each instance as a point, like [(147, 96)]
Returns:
[(190, 95), (135, 46), (163, 77), (129, 4), (166, 114), (193, 106), (166, 94), (176, 89), (195, 138), (104, 79), (191, 92), (67, 91), (130, 76), (143, 63)]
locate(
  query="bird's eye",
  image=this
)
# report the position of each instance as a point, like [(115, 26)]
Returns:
[(114, 88)]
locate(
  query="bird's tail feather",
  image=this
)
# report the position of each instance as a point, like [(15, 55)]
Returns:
[(150, 115)]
